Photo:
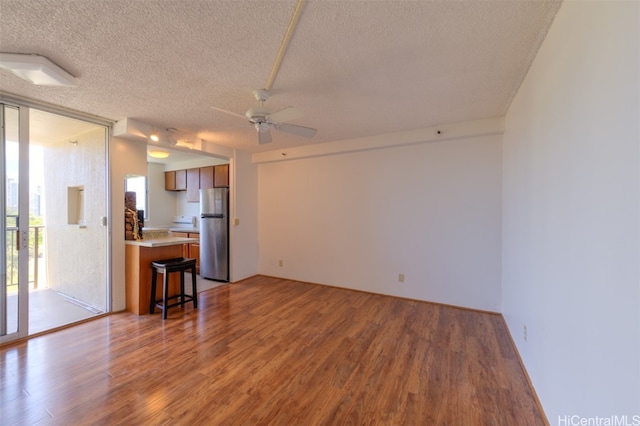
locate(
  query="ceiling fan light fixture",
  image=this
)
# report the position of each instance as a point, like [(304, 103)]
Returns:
[(158, 154), (263, 119), (36, 69), (262, 126)]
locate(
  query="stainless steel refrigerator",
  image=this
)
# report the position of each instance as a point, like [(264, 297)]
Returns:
[(214, 234)]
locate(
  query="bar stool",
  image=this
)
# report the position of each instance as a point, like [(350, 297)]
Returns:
[(165, 267)]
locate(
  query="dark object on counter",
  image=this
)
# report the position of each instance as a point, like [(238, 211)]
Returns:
[(130, 201), (180, 264), (132, 226), (141, 218)]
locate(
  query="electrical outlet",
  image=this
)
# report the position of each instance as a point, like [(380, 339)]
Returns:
[(401, 278), (524, 333), (280, 262)]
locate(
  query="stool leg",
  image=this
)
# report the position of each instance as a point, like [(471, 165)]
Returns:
[(194, 287), (165, 294), (152, 303), (182, 289)]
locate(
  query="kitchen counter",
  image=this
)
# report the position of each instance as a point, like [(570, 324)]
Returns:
[(138, 258), (188, 230), (160, 242)]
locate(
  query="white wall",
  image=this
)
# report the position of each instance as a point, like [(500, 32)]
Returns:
[(243, 207), (162, 204), (430, 211), (186, 208), (126, 158), (77, 165), (571, 214), (202, 161)]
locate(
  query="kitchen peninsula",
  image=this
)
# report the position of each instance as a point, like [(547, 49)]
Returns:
[(138, 257)]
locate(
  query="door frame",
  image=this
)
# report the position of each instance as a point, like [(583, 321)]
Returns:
[(24, 106), (23, 211)]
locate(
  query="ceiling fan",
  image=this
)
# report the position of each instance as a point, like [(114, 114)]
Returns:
[(263, 119)]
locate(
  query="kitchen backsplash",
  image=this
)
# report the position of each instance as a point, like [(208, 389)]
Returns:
[(183, 208)]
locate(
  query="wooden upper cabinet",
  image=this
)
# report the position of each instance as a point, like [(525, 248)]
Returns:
[(192, 180), (175, 180), (181, 180), (206, 177), (221, 179), (170, 181), (193, 185)]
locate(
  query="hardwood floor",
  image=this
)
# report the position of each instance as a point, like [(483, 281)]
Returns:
[(272, 351)]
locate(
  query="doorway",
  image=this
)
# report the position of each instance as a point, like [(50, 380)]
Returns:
[(54, 200)]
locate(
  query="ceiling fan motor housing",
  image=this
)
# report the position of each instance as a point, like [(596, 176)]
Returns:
[(257, 115), (261, 119)]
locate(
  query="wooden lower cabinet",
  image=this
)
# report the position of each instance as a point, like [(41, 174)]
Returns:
[(138, 275), (191, 250), (194, 251)]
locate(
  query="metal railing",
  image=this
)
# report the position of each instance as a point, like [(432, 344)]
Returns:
[(36, 239)]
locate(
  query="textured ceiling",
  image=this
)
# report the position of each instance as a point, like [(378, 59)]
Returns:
[(354, 68)]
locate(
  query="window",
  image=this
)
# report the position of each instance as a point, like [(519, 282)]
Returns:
[(75, 205), (138, 184)]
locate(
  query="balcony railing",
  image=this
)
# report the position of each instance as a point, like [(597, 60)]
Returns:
[(36, 239)]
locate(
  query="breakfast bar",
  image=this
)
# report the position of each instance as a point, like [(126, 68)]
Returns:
[(138, 257)]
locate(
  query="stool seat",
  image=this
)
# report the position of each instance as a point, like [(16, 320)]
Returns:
[(165, 267), (173, 264)]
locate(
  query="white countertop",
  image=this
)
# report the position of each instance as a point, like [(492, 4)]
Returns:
[(159, 242), (191, 230)]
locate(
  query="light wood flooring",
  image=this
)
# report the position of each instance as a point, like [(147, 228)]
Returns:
[(273, 351), (49, 309)]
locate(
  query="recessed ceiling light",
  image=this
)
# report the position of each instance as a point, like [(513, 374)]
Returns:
[(154, 136), (36, 69), (158, 154)]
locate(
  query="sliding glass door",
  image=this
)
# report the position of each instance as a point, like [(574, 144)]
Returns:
[(54, 253), (14, 242)]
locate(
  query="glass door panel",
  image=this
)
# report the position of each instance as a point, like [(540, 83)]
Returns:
[(67, 220), (13, 282)]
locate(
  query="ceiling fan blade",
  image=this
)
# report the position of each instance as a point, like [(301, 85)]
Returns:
[(306, 132), (287, 114), (264, 137), (229, 112)]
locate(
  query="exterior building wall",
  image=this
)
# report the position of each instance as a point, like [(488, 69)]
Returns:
[(76, 253)]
